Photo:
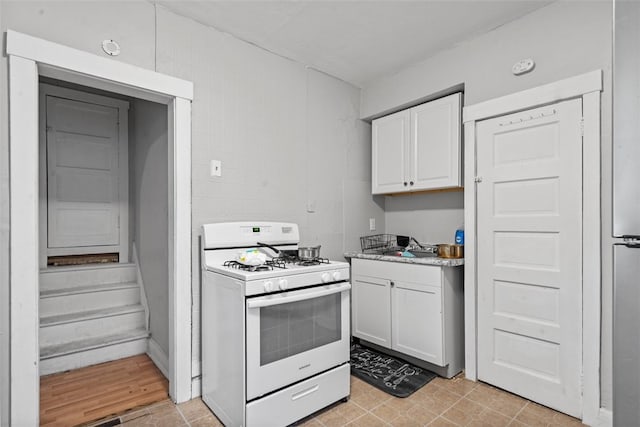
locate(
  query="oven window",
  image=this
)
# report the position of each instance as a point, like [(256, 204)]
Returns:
[(288, 329)]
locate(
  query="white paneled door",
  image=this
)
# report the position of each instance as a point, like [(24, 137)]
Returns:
[(529, 208), (82, 174)]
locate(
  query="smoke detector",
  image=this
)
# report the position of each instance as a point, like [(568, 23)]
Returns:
[(111, 47)]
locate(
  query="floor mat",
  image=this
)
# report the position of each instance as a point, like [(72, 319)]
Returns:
[(389, 374)]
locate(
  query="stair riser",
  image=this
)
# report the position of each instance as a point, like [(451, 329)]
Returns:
[(67, 332), (92, 357), (67, 279), (65, 304)]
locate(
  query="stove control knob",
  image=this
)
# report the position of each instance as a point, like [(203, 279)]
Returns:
[(268, 286), (336, 275), (282, 284), (325, 277)]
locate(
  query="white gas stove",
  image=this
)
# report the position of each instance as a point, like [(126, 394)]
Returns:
[(287, 317)]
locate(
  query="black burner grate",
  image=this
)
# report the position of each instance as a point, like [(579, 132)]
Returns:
[(268, 265)]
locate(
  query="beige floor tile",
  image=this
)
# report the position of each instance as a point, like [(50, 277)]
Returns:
[(464, 411), (368, 420), (350, 411), (421, 414), (441, 422), (405, 421), (402, 404), (206, 421), (158, 420), (498, 400), (535, 415), (490, 418), (311, 422), (386, 412), (367, 401), (459, 386), (194, 409)]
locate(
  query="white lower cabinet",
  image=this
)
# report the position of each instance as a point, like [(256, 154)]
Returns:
[(413, 309)]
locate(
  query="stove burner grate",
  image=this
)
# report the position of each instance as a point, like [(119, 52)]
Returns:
[(304, 262), (268, 265)]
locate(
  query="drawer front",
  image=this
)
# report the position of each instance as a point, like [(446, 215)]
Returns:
[(413, 273), (293, 403)]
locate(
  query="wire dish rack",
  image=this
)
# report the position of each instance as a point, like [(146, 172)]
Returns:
[(379, 243)]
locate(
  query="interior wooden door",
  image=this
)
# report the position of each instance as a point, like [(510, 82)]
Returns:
[(529, 207), (82, 175)]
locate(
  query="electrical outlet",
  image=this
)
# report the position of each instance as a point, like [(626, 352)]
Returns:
[(372, 224)]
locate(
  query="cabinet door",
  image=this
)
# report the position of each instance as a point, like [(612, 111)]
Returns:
[(371, 310), (435, 144), (417, 321), (390, 138)]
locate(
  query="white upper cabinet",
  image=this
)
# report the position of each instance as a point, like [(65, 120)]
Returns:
[(419, 148)]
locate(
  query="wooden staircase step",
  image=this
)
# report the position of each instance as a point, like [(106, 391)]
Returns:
[(47, 352), (103, 287), (86, 275), (89, 315)]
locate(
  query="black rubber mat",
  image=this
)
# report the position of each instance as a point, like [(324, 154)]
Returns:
[(389, 374)]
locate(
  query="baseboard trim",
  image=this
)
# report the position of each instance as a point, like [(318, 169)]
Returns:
[(196, 387), (158, 356), (605, 418)]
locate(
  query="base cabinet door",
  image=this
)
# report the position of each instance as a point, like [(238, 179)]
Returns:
[(417, 321), (371, 310)]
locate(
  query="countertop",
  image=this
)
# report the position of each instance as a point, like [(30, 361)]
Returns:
[(442, 262)]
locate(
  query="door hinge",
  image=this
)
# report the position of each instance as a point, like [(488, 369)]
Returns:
[(582, 126), (477, 179)]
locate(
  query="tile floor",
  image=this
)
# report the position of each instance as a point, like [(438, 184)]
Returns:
[(442, 402)]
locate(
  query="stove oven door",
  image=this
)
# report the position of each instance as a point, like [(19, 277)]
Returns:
[(294, 335)]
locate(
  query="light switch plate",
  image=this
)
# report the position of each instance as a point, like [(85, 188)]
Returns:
[(216, 168), (372, 224)]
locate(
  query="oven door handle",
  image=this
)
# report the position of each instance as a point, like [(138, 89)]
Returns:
[(298, 296)]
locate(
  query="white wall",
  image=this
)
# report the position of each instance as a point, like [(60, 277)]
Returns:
[(566, 38), (429, 218), (148, 146), (286, 135)]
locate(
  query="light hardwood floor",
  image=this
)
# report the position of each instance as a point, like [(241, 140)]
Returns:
[(77, 397)]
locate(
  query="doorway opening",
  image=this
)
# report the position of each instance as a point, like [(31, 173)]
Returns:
[(29, 59)]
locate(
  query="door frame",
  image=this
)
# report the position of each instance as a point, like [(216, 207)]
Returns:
[(123, 172), (30, 57), (588, 87)]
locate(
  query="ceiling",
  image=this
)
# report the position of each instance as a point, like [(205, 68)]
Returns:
[(358, 40)]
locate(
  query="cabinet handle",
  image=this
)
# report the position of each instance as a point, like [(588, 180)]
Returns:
[(392, 284), (411, 183), (405, 184)]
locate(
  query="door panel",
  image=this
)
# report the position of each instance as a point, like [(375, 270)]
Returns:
[(417, 321), (82, 170), (371, 310), (529, 254), (390, 136), (435, 144)]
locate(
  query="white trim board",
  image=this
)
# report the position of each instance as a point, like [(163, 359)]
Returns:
[(67, 59), (158, 356), (30, 57), (587, 86)]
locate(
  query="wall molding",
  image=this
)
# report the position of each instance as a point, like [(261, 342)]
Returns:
[(158, 356)]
